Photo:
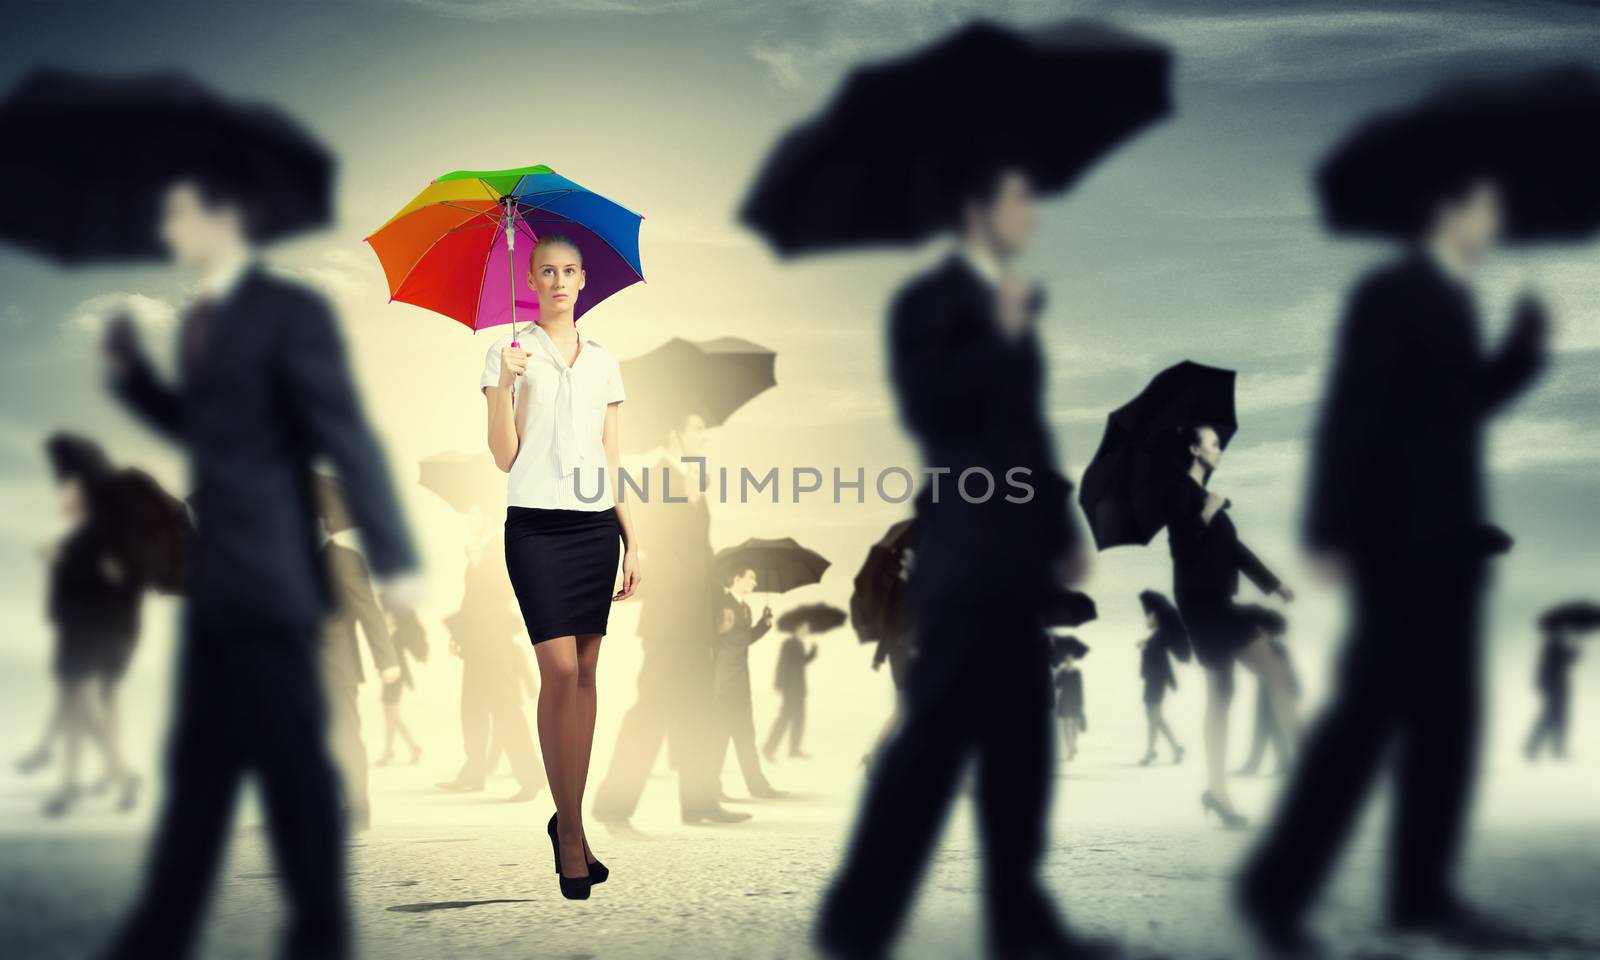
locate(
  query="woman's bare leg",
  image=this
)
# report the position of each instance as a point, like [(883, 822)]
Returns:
[(588, 708), (1267, 665), (1166, 731), (53, 729), (1219, 696), (110, 724), (560, 733)]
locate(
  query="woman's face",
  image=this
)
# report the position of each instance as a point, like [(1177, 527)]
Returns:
[(556, 275), (1207, 449)]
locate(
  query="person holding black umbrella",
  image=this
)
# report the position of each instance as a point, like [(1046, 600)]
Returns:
[(790, 677), (1068, 681), (264, 390), (1207, 560), (1553, 677), (1398, 502), (1155, 669), (95, 594)]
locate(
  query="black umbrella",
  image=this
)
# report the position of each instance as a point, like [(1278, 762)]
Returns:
[(1536, 134), (821, 616), (878, 600), (1068, 608), (1574, 615), (780, 564), (1170, 629), (885, 161), (464, 480), (1122, 486), (1065, 646), (148, 528), (88, 157), (712, 378)]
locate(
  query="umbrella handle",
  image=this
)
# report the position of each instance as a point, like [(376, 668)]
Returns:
[(511, 267)]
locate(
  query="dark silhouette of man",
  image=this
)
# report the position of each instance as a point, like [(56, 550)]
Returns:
[(1553, 679), (674, 705), (355, 604), (790, 682), (968, 373), (1397, 506), (263, 391), (737, 630), (483, 633)]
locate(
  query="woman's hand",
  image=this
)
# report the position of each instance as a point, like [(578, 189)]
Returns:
[(1285, 593), (630, 574), (513, 362)]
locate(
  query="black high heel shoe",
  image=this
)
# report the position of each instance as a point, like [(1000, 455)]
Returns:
[(1230, 820), (573, 888), (597, 870)]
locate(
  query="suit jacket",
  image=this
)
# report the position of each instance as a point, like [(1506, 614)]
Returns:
[(793, 658), (355, 604), (1398, 462), (268, 396), (1207, 558), (679, 599), (972, 398), (731, 651)]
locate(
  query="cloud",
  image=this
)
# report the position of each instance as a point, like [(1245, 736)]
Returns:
[(88, 320), (511, 9), (1545, 444)]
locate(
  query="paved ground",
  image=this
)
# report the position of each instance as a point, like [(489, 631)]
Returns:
[(444, 876)]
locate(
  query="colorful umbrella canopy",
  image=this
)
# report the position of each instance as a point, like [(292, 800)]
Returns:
[(462, 246), (91, 155), (712, 378)]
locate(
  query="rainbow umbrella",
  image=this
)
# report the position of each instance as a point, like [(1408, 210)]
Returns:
[(461, 247)]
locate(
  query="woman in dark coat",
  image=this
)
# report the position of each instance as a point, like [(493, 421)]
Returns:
[(1207, 559), (93, 604), (1155, 668), (1069, 697)]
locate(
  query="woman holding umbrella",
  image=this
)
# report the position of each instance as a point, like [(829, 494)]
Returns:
[(1207, 558), (1155, 668), (1068, 651), (552, 417), (95, 590)]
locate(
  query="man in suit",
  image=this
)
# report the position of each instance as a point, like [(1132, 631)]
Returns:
[(1397, 506), (736, 722), (969, 374), (675, 629), (263, 391), (484, 633), (355, 604), (1553, 679), (790, 682)]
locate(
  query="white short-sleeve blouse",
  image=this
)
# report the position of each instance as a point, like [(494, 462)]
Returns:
[(562, 413)]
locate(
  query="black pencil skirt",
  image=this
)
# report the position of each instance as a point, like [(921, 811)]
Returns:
[(563, 567)]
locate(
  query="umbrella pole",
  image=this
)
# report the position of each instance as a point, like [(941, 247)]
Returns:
[(511, 267)]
